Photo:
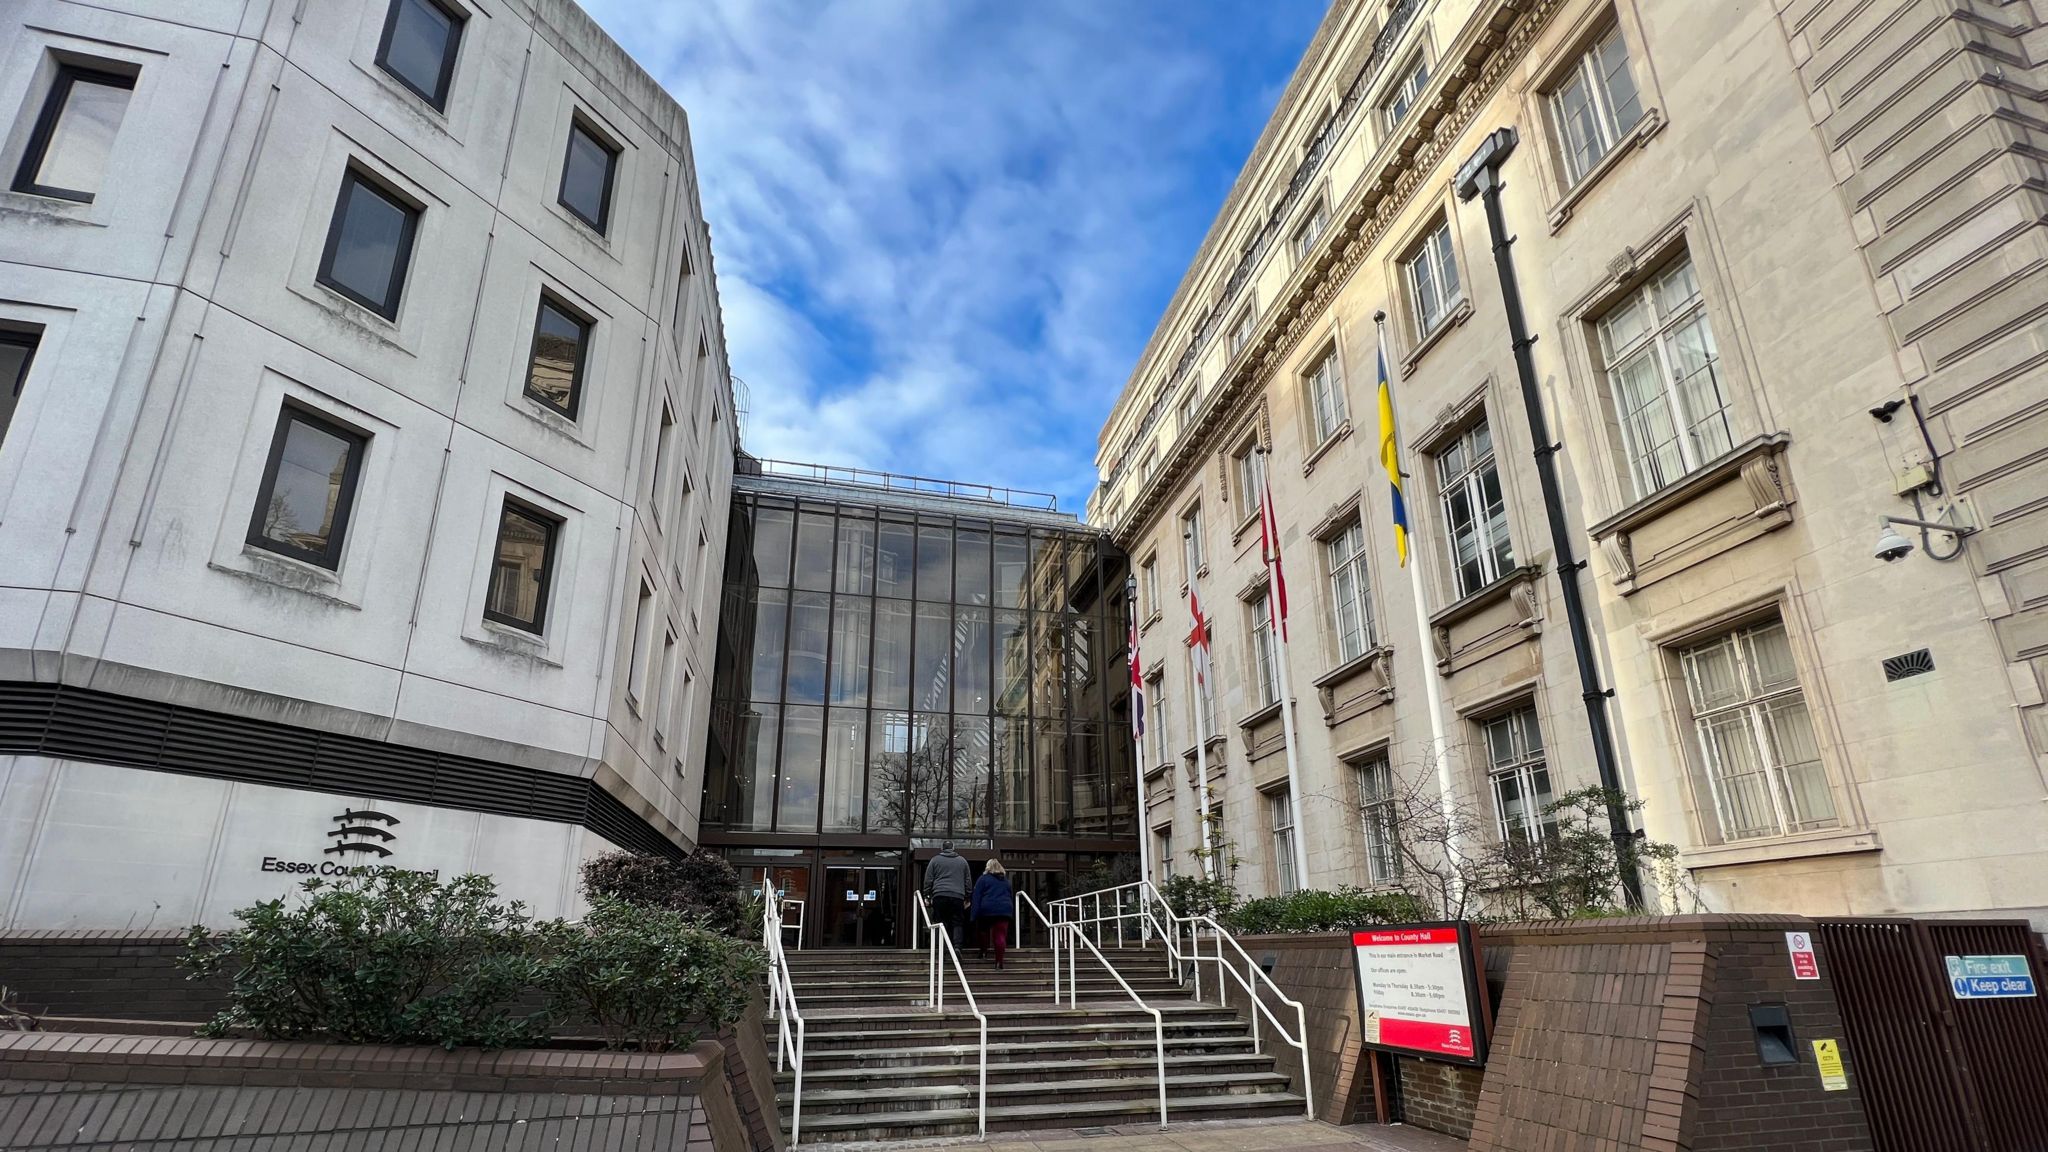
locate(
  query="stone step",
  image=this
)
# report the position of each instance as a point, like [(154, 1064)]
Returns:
[(904, 1096), (814, 1000), (1119, 1014), (964, 1049), (966, 1070), (853, 1040), (1038, 1116)]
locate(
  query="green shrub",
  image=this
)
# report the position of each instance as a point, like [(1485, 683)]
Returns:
[(701, 884), (648, 977), (1195, 896), (1314, 911), (380, 957)]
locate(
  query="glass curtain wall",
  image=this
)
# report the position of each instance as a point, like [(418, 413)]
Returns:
[(898, 673)]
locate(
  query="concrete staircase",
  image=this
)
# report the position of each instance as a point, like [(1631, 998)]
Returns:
[(880, 1065)]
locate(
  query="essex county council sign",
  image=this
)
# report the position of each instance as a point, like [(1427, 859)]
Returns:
[(1418, 992)]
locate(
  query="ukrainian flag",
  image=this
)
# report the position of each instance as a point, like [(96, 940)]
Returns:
[(1390, 455)]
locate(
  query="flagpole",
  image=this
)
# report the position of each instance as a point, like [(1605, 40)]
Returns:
[(1438, 750), (1138, 706), (1278, 622)]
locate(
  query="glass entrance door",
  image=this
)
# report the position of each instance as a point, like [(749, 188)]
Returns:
[(859, 906)]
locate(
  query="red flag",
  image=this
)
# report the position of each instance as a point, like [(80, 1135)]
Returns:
[(1198, 640), (1137, 687), (1269, 547)]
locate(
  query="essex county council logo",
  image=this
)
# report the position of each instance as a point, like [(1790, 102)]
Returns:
[(356, 832)]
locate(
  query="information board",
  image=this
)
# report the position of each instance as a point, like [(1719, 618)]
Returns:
[(1989, 977), (1418, 991)]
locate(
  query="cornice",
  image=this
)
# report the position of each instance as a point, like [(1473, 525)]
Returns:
[(1489, 46)]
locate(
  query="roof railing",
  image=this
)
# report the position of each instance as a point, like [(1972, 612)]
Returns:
[(900, 482)]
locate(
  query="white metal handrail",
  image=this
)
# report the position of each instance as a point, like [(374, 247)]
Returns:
[(1073, 996), (1299, 1040), (789, 1022), (940, 946), (1052, 937)]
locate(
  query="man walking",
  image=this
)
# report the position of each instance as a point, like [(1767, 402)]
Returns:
[(945, 885)]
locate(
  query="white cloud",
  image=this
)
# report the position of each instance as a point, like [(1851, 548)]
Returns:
[(944, 230)]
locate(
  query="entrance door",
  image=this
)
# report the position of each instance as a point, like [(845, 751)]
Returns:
[(859, 906)]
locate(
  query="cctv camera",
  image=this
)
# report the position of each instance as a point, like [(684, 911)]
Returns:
[(1890, 545)]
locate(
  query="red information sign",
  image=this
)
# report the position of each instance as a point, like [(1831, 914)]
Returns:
[(1804, 965), (1417, 991)]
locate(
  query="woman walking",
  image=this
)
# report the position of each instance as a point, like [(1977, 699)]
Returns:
[(993, 906)]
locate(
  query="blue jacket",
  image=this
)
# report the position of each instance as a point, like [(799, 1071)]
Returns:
[(993, 898)]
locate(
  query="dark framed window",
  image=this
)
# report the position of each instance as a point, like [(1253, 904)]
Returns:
[(587, 173), (369, 244), (421, 38), (522, 567), (309, 487), (561, 344), (17, 352), (74, 134)]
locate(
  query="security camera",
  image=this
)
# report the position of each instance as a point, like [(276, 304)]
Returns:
[(1890, 545)]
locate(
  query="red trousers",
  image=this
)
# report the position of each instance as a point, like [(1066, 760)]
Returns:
[(998, 937)]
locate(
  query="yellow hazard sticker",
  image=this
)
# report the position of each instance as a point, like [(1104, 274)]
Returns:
[(1828, 1054)]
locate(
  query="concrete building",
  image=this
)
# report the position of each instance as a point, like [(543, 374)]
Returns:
[(904, 662), (1784, 264), (365, 460)]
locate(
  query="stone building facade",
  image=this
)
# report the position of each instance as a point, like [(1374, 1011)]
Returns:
[(1782, 263), (366, 457)]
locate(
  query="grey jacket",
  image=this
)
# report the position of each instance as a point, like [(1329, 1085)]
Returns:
[(947, 875)]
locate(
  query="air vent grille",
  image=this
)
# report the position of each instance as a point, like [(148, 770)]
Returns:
[(1908, 664)]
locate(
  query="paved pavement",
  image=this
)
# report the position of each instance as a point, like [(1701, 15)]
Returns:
[(1223, 1136)]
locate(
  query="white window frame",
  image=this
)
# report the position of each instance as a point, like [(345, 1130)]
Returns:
[(1248, 469), (1522, 758), (1311, 230), (1594, 73), (1162, 727), (1352, 628), (1378, 819), (1148, 578), (1265, 657), (1700, 437), (1191, 553), (1280, 815), (1400, 100), (1241, 330), (1493, 541), (1758, 701), (1323, 395), (1430, 274), (1163, 845)]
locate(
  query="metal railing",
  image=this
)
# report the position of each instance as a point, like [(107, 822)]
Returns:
[(1143, 903), (939, 947), (901, 482), (1052, 936), (1078, 937), (789, 1022)]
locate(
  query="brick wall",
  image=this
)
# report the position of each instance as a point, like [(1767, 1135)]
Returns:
[(120, 975), (1316, 970), (1437, 1096), (173, 1094), (750, 1071)]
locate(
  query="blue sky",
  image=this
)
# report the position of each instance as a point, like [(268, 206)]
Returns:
[(944, 230)]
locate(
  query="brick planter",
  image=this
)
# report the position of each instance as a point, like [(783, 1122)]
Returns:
[(67, 1089)]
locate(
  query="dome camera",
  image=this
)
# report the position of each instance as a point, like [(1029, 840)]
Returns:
[(1890, 545)]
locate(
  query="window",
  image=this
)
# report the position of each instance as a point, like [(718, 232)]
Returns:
[(1474, 509), (554, 367), (1414, 78), (1264, 658), (1280, 813), (369, 244), (1311, 230), (419, 45), (1594, 105), (1241, 331), (587, 173), (1191, 402), (309, 485), (1148, 575), (17, 352), (1248, 468), (1323, 391), (1160, 720), (666, 696), (1205, 706), (523, 567), (1350, 588), (1660, 360), (1151, 462), (643, 629), (1165, 839), (1431, 271), (682, 296), (1376, 813), (1191, 542), (1519, 776), (1762, 763), (74, 134), (659, 480)]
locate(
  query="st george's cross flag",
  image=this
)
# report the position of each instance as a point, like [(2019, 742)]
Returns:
[(1269, 547), (1198, 640), (1137, 687)]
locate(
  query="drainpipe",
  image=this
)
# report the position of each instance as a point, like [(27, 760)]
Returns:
[(1480, 177)]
